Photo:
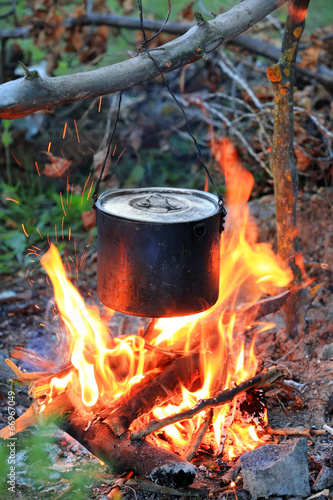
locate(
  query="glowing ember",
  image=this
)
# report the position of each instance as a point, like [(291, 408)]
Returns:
[(106, 369)]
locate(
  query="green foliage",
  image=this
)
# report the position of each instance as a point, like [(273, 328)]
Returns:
[(40, 466), (6, 136), (42, 210)]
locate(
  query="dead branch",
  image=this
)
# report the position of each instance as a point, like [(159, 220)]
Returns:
[(294, 431), (120, 454), (265, 378), (25, 96), (323, 74), (156, 392)]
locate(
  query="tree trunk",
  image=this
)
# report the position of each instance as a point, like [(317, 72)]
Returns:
[(283, 164)]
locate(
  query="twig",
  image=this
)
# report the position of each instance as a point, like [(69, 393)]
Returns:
[(266, 377), (192, 450), (295, 431), (23, 97), (328, 429), (228, 68)]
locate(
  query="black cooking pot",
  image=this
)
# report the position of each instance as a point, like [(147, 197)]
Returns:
[(158, 251)]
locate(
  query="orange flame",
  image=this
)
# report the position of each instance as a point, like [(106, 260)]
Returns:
[(107, 368)]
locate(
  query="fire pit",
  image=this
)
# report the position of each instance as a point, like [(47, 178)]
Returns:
[(147, 402)]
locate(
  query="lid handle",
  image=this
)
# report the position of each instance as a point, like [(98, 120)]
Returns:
[(154, 201)]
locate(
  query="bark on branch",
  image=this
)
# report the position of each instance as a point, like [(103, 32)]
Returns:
[(323, 74), (25, 96)]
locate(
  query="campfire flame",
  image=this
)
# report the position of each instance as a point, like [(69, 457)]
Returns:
[(106, 369)]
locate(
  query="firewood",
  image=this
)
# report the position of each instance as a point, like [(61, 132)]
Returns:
[(198, 437), (263, 379), (122, 454), (22, 354), (28, 418), (295, 431), (25, 378), (181, 370)]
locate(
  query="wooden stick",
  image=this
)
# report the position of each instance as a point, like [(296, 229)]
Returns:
[(181, 370), (265, 378), (198, 437), (25, 378), (22, 354), (267, 306), (295, 431)]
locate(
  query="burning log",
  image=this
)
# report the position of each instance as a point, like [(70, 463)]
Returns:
[(124, 454), (130, 452), (181, 370)]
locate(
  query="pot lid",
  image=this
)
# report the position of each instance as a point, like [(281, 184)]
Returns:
[(159, 205)]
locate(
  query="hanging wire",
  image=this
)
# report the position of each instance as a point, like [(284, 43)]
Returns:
[(145, 41), (95, 194), (199, 154), (223, 211)]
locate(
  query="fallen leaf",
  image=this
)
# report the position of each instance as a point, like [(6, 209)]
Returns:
[(58, 166)]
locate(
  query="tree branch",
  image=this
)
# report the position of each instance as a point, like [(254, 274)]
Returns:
[(22, 97)]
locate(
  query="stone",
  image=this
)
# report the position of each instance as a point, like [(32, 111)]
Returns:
[(324, 479), (277, 470)]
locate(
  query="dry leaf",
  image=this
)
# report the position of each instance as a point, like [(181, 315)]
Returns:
[(302, 161), (310, 57), (187, 14), (57, 168)]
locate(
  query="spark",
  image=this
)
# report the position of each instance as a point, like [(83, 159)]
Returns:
[(65, 161), (41, 324), (55, 166), (38, 231), (67, 189), (49, 147), (114, 150), (91, 150), (38, 172), (84, 187), (15, 158), (62, 203), (100, 104), (121, 154), (64, 132), (62, 227), (89, 192), (11, 199), (33, 246), (69, 234), (77, 132), (36, 306), (24, 230)]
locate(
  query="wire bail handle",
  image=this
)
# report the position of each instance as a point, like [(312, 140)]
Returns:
[(222, 209)]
